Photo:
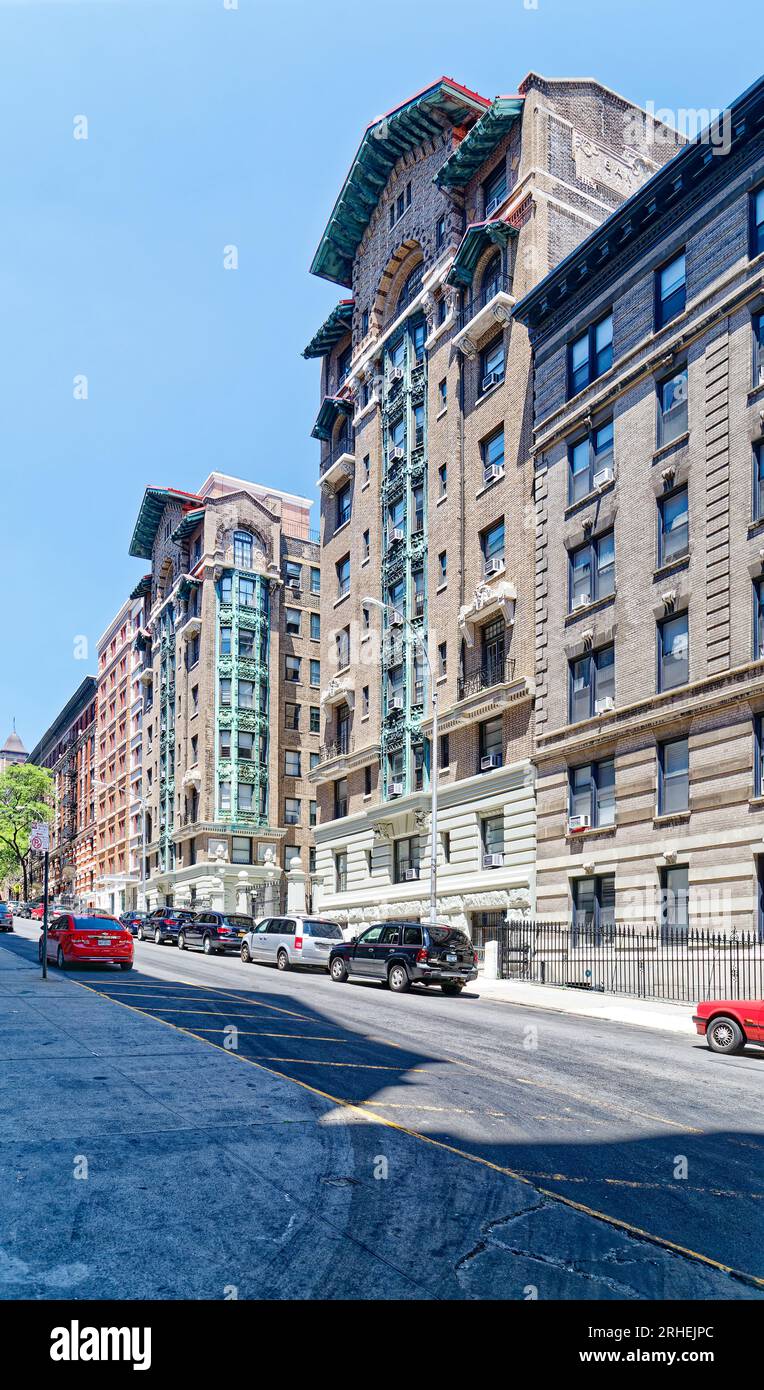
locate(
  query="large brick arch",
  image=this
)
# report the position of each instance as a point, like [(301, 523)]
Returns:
[(405, 259)]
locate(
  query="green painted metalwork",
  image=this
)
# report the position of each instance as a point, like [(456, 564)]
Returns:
[(166, 737), (241, 617), (471, 247), (329, 411), (335, 327), (474, 149), (404, 572), (424, 117), (155, 499), (142, 588), (189, 523)]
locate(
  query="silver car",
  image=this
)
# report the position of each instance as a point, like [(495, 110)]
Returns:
[(288, 941)]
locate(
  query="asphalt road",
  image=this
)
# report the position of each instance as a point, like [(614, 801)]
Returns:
[(463, 1147)]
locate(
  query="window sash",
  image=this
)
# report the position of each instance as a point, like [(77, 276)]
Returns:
[(674, 529), (674, 768), (671, 290), (674, 652), (673, 408)]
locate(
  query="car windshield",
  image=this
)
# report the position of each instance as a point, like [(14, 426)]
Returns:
[(326, 931), (98, 924), (447, 936)]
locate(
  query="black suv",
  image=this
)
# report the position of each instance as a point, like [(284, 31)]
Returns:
[(215, 932), (407, 953), (163, 924)]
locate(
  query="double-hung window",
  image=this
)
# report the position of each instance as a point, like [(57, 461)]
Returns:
[(492, 836), (492, 453), (674, 916), (246, 695), (673, 526), (293, 618), (340, 798), (405, 858), (292, 762), (593, 908), (670, 290), (344, 504), (225, 641), (589, 459), (315, 627), (758, 768), (757, 222), (242, 550), (491, 743), (592, 792), (758, 349), (591, 684), (247, 593), (672, 407), (673, 777), (292, 810), (343, 576), (758, 620), (758, 482), (492, 545), (495, 188), (341, 871), (292, 668), (492, 364), (245, 746), (673, 652), (592, 571), (342, 640), (590, 354)]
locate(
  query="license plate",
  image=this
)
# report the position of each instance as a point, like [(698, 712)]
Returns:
[(242, 933), (104, 941), (451, 958)]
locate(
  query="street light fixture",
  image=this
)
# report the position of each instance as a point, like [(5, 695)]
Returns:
[(422, 647)]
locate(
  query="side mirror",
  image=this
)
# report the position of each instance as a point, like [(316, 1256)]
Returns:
[(353, 940)]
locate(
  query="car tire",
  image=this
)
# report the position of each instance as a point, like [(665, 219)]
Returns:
[(207, 946), (141, 937), (398, 978), (244, 953), (724, 1035), (181, 941), (282, 960), (157, 937), (452, 989), (338, 971), (125, 965), (60, 961)]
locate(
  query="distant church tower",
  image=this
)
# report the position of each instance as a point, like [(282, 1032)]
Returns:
[(12, 751)]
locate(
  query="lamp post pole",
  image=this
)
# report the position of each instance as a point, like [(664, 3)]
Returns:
[(423, 646)]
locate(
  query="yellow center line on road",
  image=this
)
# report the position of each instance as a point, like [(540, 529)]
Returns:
[(359, 1066), (258, 1033), (615, 1222)]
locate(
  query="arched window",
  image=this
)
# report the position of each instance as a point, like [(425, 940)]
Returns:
[(242, 550), (411, 286), (492, 277)]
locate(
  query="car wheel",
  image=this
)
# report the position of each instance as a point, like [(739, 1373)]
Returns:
[(125, 965), (246, 957), (452, 989), (140, 934), (60, 962), (282, 960), (725, 1035), (181, 941), (398, 978), (338, 970), (207, 946), (157, 937)]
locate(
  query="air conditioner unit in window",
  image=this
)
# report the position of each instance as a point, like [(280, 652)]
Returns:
[(395, 702), (581, 600), (492, 472), (397, 452), (494, 566), (607, 702), (396, 374), (491, 379), (411, 874), (395, 789), (493, 861), (577, 823), (398, 533), (603, 476), (490, 760), (396, 618)]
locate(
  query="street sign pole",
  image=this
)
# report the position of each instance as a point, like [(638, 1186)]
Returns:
[(45, 919)]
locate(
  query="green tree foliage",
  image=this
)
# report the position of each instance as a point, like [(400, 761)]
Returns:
[(26, 796)]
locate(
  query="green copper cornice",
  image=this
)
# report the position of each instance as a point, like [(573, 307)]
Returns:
[(479, 142)]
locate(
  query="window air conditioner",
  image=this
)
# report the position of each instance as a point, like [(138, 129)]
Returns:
[(398, 533), (411, 874), (395, 789), (607, 702), (603, 476), (491, 379), (493, 861), (489, 761), (397, 452), (576, 823), (395, 702), (396, 374), (495, 565), (581, 600), (396, 618)]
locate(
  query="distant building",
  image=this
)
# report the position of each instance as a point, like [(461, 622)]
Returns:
[(68, 751), (12, 751)]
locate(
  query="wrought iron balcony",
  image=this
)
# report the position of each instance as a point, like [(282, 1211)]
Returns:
[(483, 673), (475, 303), (345, 446)]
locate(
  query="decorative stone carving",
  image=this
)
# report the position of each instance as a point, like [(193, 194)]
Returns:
[(488, 598), (339, 689), (384, 830), (668, 599)]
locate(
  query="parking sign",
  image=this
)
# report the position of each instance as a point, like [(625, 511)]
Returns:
[(39, 839)]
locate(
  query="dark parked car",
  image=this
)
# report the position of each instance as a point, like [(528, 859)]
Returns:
[(6, 917), (215, 932), (133, 920), (407, 953), (164, 924)]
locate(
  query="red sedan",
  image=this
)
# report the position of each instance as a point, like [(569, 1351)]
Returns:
[(728, 1024), (78, 940)]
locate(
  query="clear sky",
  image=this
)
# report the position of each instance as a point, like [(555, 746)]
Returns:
[(211, 126)]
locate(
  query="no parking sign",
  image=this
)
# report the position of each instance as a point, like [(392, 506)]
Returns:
[(39, 838)]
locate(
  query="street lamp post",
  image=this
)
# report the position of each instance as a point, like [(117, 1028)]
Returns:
[(423, 647)]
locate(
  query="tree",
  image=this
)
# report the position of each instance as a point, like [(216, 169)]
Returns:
[(26, 796)]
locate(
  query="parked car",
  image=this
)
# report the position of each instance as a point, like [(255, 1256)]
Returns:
[(23, 909), (163, 924), (133, 920), (728, 1024), (215, 932), (36, 912), (287, 941), (77, 940), (406, 953), (6, 917)]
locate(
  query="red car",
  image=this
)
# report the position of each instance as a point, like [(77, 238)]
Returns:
[(37, 913), (728, 1024), (78, 940)]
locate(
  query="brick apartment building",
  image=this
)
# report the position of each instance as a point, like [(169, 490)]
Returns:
[(67, 749), (230, 665), (454, 207), (119, 759), (649, 457)]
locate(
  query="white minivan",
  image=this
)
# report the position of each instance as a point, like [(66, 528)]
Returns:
[(287, 941)]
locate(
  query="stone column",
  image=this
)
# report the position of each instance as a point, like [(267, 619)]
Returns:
[(296, 887)]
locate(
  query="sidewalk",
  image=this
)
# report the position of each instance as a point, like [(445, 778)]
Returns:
[(615, 1008)]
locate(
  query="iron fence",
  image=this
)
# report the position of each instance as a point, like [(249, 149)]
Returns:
[(646, 962), (483, 672)]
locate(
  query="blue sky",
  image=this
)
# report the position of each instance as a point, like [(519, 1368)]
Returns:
[(210, 126)]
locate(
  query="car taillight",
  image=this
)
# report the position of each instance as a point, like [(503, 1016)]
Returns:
[(421, 955), (298, 943), (474, 957)]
